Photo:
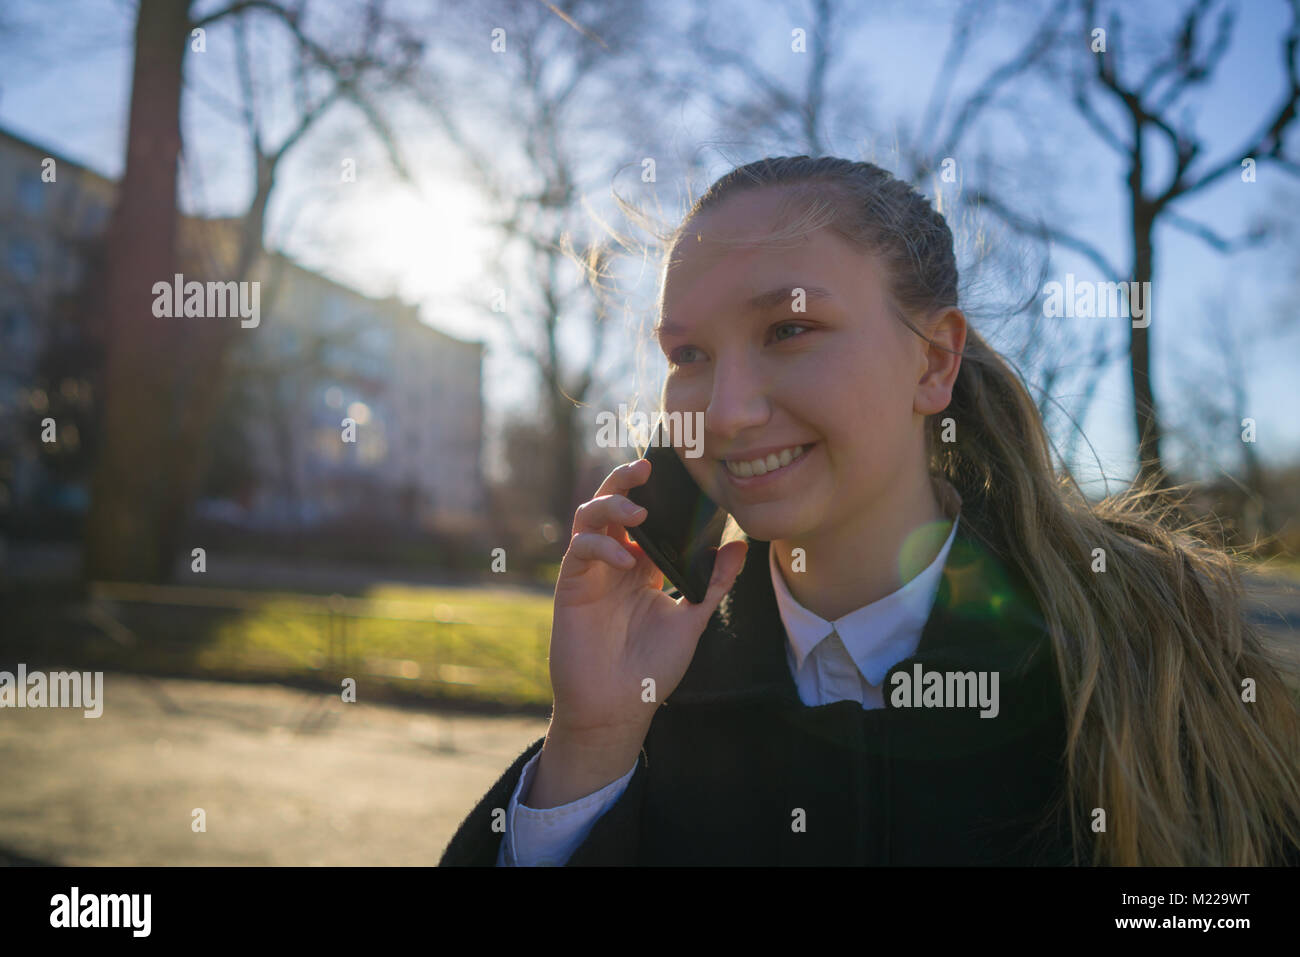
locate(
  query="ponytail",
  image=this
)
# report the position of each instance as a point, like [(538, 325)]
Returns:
[(1179, 725)]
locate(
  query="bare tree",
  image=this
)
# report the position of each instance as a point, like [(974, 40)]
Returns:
[(1147, 101), (1220, 433), (123, 535), (163, 377), (939, 147), (553, 74), (795, 108)]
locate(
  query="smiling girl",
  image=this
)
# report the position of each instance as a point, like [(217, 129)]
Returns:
[(906, 542)]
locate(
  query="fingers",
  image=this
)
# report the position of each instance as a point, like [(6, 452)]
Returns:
[(606, 510), (626, 476), (595, 547), (619, 481), (726, 567)]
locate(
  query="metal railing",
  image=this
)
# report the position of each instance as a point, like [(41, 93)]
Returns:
[(339, 615)]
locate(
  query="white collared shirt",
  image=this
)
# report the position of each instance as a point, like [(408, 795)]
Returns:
[(848, 664), (847, 659)]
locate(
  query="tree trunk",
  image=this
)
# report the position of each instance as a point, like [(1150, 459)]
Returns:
[(202, 372), (1258, 520), (564, 498), (203, 361), (123, 533), (1145, 412)]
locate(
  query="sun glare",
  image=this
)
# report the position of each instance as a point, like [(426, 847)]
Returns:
[(425, 248)]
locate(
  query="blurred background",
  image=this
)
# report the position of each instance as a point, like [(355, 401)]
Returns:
[(449, 210)]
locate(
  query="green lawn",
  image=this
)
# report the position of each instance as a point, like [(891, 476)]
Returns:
[(1280, 567), (452, 644)]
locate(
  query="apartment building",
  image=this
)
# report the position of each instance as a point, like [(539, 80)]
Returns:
[(322, 354)]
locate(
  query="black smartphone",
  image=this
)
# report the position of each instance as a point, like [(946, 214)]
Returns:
[(682, 527)]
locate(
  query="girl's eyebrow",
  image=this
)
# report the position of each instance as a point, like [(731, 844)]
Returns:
[(762, 302), (778, 296)]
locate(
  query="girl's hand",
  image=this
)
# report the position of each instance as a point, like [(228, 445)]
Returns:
[(614, 627)]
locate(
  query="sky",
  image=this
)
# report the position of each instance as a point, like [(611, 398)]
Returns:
[(65, 80)]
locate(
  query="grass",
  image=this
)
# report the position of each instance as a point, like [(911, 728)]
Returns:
[(450, 644), (1287, 568)]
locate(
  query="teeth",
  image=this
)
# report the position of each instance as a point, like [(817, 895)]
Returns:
[(765, 465)]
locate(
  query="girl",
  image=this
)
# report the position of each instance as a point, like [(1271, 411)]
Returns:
[(911, 655)]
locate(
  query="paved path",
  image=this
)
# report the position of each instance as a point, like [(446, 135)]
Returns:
[(1275, 607), (358, 784)]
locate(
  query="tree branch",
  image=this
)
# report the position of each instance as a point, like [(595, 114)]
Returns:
[(1094, 120), (1040, 229), (952, 60), (1024, 58), (1254, 237), (1268, 142)]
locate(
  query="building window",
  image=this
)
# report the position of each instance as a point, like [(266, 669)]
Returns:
[(93, 219), (31, 195), (332, 313), (74, 268), (22, 259), (287, 341), (16, 332)]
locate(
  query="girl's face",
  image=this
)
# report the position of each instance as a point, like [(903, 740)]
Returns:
[(839, 379)]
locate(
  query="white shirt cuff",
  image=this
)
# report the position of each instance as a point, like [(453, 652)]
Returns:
[(547, 837)]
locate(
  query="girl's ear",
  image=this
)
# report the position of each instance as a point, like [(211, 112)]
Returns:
[(942, 361)]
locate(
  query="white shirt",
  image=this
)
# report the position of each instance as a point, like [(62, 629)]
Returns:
[(845, 659)]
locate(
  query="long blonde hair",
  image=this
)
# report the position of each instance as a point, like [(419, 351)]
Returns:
[(1155, 653)]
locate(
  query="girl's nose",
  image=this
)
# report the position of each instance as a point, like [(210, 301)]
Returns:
[(738, 401)]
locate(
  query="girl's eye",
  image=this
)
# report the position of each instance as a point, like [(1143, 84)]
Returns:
[(680, 356), (791, 325)]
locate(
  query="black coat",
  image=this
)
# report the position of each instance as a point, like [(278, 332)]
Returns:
[(733, 755)]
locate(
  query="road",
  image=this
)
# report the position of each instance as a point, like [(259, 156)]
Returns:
[(284, 777)]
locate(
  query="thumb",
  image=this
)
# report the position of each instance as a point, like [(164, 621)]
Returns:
[(727, 564)]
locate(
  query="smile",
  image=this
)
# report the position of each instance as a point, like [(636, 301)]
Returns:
[(773, 462)]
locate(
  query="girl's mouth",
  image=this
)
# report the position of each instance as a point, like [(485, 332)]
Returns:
[(761, 472)]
